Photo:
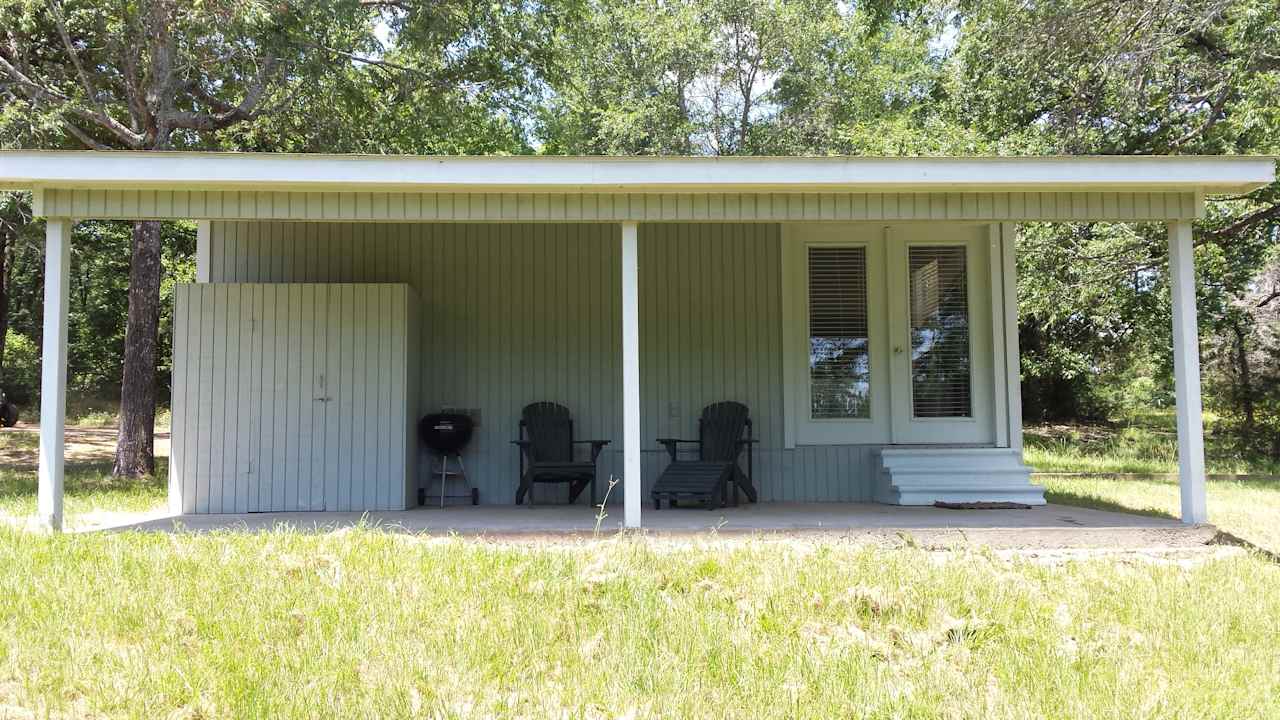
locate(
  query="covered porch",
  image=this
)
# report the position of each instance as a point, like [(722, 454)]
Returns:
[(1048, 527), (633, 291)]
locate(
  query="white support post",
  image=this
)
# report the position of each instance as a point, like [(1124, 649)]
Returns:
[(204, 228), (53, 371), (1013, 368), (1186, 373), (631, 375)]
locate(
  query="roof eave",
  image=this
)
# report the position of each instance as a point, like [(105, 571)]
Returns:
[(330, 173)]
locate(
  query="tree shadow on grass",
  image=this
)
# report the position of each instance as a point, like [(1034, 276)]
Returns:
[(1061, 497), (18, 484), (1221, 537)]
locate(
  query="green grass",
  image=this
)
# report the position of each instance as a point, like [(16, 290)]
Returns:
[(1147, 444), (89, 486), (1247, 509), (93, 412), (365, 624)]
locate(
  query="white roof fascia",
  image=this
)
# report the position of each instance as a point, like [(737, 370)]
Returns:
[(279, 171)]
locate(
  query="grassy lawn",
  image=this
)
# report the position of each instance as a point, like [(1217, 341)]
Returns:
[(1144, 443), (89, 487), (365, 623), (95, 412), (1247, 508)]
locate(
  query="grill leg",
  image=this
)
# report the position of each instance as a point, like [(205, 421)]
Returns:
[(444, 475), (462, 472)]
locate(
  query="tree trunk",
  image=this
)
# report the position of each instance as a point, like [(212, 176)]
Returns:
[(135, 447), (4, 297)]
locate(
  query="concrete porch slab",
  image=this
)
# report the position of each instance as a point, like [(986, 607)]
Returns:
[(1049, 526)]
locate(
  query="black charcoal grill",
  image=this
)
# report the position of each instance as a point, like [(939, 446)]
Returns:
[(446, 434)]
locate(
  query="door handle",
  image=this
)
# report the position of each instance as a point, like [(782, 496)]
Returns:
[(323, 399), (897, 350)]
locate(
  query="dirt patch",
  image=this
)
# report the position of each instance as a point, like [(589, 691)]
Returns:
[(21, 447)]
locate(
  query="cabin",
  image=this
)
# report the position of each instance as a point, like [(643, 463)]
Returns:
[(862, 310)]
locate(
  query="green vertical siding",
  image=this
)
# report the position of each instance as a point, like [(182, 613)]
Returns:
[(710, 330), (516, 313), (268, 205)]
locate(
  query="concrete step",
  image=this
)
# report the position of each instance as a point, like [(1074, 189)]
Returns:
[(923, 476), (926, 495)]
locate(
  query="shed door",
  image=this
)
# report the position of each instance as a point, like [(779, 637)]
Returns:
[(940, 334), (290, 397), (351, 399)]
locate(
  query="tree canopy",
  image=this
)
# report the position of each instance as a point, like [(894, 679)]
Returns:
[(709, 77)]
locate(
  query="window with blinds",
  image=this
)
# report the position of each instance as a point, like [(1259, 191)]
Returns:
[(839, 358), (940, 365)]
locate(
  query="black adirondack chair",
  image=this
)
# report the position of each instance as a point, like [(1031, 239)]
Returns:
[(547, 452), (724, 432)]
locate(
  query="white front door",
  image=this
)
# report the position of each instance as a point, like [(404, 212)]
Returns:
[(940, 343), (888, 330)]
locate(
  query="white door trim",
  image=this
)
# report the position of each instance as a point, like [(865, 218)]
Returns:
[(800, 429)]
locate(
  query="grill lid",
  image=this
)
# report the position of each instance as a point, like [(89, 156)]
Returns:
[(445, 432)]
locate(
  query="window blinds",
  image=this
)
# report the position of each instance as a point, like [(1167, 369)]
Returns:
[(940, 366), (839, 360)]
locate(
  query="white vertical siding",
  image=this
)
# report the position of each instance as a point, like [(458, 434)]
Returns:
[(516, 313)]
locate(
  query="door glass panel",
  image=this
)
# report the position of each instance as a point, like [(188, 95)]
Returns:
[(839, 359), (940, 363)]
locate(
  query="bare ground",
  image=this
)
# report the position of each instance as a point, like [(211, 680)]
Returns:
[(83, 444)]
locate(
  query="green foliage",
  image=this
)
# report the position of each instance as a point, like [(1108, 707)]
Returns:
[(625, 78), (1121, 78), (728, 77), (21, 381), (98, 297), (450, 78), (1243, 359), (163, 74), (745, 77)]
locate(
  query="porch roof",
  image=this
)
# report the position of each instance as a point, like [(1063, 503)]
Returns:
[(38, 169)]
